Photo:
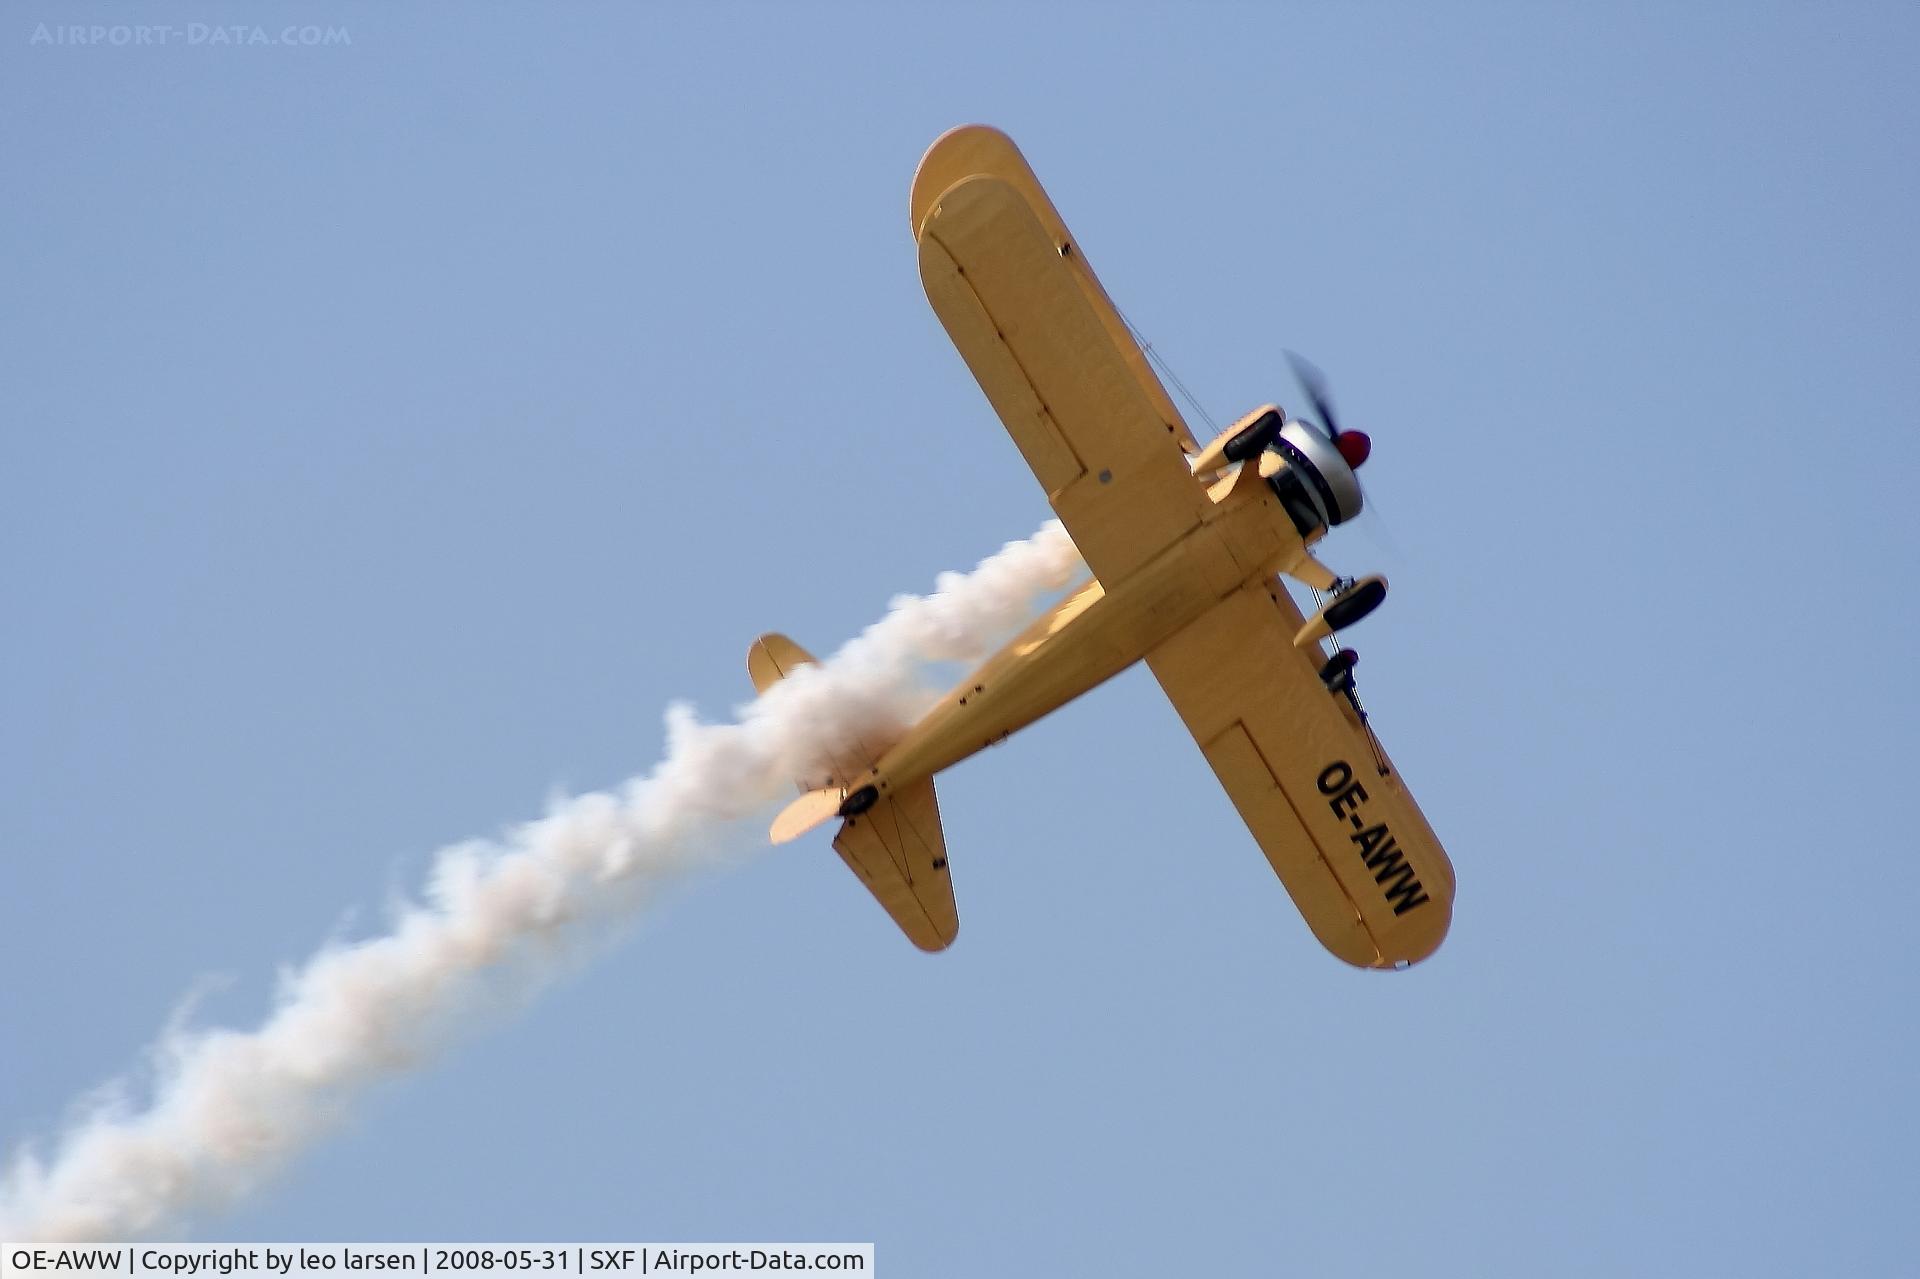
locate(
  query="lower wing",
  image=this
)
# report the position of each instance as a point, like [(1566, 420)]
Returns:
[(1312, 783)]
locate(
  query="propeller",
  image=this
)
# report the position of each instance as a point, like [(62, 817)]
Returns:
[(1354, 446)]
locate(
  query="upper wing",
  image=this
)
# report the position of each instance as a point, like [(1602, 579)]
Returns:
[(1314, 787), (1030, 327), (974, 149)]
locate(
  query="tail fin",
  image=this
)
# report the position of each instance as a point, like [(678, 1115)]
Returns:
[(896, 846), (772, 658)]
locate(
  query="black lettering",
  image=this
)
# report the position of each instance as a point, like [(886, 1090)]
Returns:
[(1352, 797), (1341, 773), (1406, 894), (1389, 863), (1386, 859), (1371, 838), (1390, 868)]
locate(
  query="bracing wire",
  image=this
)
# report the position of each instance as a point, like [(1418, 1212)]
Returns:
[(1166, 371)]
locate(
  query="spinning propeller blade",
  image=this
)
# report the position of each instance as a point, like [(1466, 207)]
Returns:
[(1355, 446), (1314, 383)]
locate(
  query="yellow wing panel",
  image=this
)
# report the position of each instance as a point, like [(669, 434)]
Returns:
[(1046, 450), (1112, 466), (974, 150), (1321, 798)]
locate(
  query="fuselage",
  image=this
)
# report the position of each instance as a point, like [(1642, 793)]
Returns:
[(1251, 530)]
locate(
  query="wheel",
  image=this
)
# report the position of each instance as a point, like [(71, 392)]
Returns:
[(860, 801)]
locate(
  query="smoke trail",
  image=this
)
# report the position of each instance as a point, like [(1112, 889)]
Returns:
[(496, 920)]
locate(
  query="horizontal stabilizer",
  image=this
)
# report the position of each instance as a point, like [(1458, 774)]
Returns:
[(892, 842), (899, 852), (813, 809)]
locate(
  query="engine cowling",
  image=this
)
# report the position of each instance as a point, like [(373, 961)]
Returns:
[(1325, 472)]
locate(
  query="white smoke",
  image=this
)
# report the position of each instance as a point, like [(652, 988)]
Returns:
[(496, 919)]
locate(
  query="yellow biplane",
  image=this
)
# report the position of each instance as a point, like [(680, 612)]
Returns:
[(1185, 541)]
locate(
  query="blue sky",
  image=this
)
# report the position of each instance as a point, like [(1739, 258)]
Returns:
[(396, 428)]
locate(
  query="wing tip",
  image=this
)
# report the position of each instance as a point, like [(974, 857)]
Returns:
[(961, 152)]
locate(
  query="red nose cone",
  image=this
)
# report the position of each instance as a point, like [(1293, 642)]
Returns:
[(1354, 446)]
